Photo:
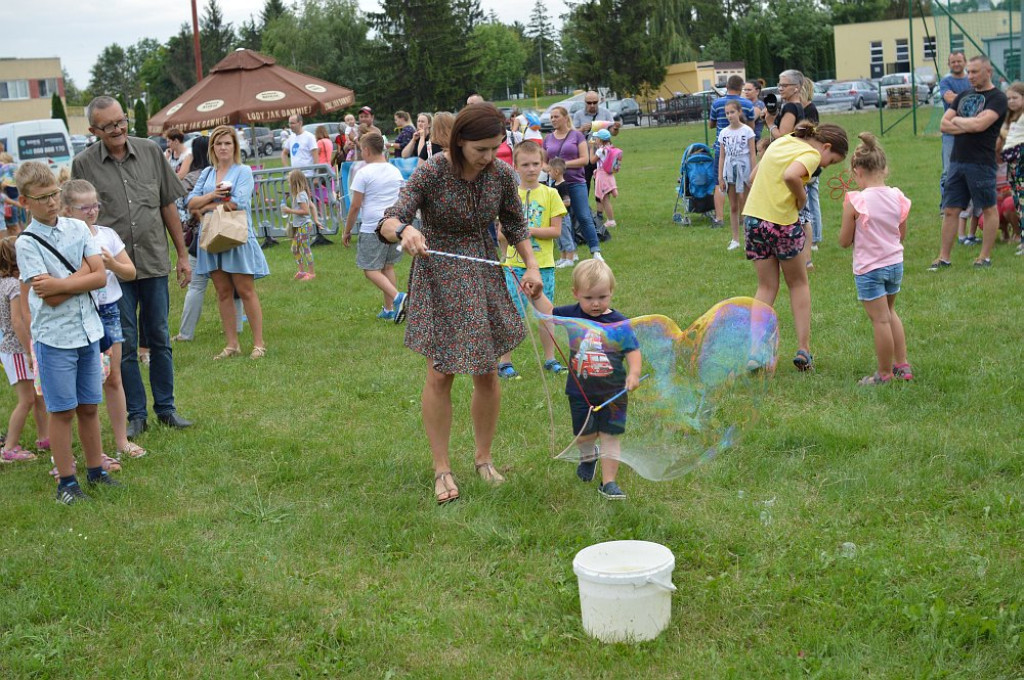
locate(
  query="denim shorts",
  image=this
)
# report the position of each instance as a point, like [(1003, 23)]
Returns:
[(879, 282), (547, 277), (609, 420), (967, 182), (766, 239), (70, 377), (110, 315)]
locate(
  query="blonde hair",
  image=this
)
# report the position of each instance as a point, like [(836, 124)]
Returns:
[(565, 113), (298, 183), (1012, 116), (869, 155), (33, 174), (524, 149), (372, 142), (218, 132), (75, 187), (591, 273), (441, 128), (8, 257)]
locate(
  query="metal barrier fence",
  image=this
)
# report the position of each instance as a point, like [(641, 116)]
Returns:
[(271, 190), (330, 194)]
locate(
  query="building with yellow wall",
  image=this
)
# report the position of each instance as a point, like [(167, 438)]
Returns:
[(26, 88), (877, 48)]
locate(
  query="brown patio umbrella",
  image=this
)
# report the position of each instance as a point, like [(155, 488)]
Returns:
[(250, 88)]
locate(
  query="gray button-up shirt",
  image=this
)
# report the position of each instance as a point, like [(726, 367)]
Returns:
[(132, 192)]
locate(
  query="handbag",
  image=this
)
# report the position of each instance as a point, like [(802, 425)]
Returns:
[(106, 342), (223, 230)]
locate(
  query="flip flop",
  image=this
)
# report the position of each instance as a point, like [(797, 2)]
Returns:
[(489, 473)]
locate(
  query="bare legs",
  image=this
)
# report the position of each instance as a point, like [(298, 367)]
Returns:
[(795, 272), (227, 284), (437, 418), (88, 433), (114, 393), (385, 280), (890, 341)]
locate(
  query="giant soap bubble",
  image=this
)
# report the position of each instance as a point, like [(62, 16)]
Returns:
[(702, 387)]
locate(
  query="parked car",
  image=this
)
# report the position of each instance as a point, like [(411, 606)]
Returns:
[(261, 139), (243, 145), (852, 94), (333, 129), (79, 143), (902, 80), (627, 109), (820, 99), (573, 105)]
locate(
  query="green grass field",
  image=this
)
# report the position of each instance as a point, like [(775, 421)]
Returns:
[(293, 531)]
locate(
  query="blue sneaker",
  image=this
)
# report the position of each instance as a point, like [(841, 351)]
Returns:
[(387, 315), (612, 492), (508, 372), (69, 494), (555, 367), (585, 470), (400, 307)]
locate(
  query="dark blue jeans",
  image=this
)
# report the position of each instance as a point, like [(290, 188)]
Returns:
[(581, 215), (146, 302)]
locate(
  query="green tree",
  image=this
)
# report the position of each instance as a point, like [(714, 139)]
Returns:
[(326, 39), (498, 58), (751, 55), (170, 71), (116, 71), (669, 26), (57, 109), (141, 119), (72, 94), (542, 49), (426, 49), (216, 37)]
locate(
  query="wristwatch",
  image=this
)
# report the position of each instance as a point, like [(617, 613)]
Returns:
[(398, 232)]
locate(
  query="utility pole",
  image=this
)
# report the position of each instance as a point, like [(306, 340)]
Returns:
[(195, 42)]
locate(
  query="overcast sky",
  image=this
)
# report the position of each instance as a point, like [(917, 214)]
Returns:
[(78, 30)]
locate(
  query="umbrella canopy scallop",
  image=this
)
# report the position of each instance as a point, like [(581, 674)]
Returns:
[(247, 87)]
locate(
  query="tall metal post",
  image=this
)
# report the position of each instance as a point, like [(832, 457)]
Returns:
[(195, 42), (913, 73)]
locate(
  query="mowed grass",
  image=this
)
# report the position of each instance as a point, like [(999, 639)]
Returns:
[(293, 531)]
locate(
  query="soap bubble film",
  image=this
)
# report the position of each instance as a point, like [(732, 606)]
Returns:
[(702, 389)]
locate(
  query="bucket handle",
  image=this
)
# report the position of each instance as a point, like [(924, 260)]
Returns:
[(667, 585)]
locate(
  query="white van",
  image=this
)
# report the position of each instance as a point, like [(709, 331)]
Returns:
[(45, 140)]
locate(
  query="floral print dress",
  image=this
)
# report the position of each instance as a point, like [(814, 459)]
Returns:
[(459, 313)]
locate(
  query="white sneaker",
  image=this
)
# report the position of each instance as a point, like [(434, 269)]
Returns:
[(562, 264), (814, 247), (733, 245), (598, 256)]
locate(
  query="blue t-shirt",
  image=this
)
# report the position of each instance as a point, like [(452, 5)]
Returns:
[(954, 85), (597, 354), (718, 112)]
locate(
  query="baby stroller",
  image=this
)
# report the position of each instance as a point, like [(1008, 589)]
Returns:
[(696, 184)]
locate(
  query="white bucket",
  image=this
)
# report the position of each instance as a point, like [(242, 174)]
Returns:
[(625, 589)]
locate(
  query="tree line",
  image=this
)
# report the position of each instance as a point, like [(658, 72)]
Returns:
[(429, 54)]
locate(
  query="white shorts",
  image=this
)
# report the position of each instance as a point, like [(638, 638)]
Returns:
[(16, 367)]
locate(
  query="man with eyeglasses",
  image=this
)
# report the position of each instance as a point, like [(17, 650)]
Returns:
[(583, 120), (137, 189)]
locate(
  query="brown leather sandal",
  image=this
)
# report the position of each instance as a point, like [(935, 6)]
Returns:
[(489, 473), (449, 491)]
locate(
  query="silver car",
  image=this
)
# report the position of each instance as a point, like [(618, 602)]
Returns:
[(852, 94), (895, 81)]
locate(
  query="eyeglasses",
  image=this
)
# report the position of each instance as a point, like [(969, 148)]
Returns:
[(95, 207), (45, 198), (111, 127), (590, 102), (781, 85)]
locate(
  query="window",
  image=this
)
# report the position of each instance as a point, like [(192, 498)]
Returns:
[(902, 55), (877, 59), (956, 42), (47, 87), (929, 47), (13, 89)]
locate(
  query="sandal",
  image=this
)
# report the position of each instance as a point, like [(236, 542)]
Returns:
[(258, 352), (449, 492), (902, 371), (43, 444), (132, 451), (804, 361), (56, 475), (489, 473), (228, 352), (875, 379), (111, 464)]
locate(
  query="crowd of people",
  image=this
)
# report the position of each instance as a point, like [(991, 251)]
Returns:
[(89, 276)]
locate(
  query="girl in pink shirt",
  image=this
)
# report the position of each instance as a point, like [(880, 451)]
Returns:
[(875, 223)]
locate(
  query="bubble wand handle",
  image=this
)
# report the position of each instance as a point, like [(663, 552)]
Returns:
[(618, 394)]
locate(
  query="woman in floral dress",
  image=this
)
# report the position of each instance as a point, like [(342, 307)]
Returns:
[(460, 315)]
